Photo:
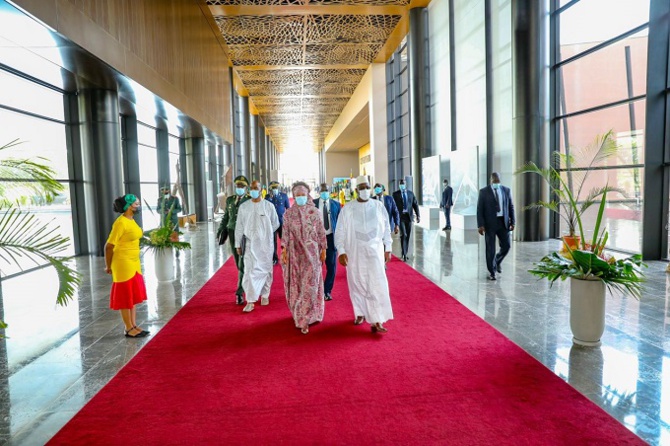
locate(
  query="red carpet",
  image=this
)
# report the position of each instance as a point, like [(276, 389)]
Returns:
[(215, 376)]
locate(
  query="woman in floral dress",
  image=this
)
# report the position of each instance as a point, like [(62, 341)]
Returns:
[(303, 251)]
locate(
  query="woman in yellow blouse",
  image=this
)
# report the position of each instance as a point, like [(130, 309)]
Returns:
[(122, 261)]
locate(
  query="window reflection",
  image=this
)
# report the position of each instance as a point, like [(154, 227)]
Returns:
[(591, 22), (582, 89)]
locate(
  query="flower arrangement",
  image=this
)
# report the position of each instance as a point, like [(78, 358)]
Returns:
[(589, 262), (577, 258), (165, 236)]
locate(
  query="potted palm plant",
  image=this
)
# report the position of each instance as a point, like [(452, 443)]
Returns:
[(22, 235), (568, 180), (591, 271), (163, 241)]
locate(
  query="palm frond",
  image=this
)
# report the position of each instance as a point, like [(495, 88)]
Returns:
[(27, 177), (22, 235)]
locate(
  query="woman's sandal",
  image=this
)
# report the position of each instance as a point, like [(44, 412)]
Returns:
[(141, 334), (143, 331), (304, 330), (359, 320)]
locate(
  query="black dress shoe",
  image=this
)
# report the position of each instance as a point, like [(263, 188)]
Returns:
[(492, 277), (240, 299), (445, 228), (448, 228), (498, 268), (327, 296), (274, 261)]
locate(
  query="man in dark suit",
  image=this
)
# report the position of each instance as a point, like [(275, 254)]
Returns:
[(389, 204), (407, 207), (495, 218), (330, 212), (280, 200), (446, 203)]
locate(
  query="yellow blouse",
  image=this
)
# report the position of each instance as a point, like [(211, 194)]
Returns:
[(125, 237)]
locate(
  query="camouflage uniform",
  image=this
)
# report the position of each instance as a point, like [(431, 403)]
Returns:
[(227, 228)]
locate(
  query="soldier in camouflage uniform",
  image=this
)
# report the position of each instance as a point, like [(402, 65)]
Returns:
[(227, 228)]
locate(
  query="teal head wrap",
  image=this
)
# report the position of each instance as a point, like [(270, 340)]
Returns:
[(130, 200)]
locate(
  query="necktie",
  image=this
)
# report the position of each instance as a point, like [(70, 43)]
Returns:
[(495, 192), (326, 220), (404, 201)]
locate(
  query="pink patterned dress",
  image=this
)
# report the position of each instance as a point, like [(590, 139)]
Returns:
[(303, 238)]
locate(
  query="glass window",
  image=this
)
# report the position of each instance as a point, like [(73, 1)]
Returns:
[(581, 130), (591, 22), (623, 212), (149, 199), (39, 138), (604, 76), (148, 164), (146, 135), (22, 94)]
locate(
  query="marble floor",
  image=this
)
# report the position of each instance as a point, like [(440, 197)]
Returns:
[(55, 359)]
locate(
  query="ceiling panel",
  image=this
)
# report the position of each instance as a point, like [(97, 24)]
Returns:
[(301, 60)]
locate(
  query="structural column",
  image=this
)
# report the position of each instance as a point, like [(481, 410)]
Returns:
[(102, 168), (163, 155), (245, 134), (262, 158), (530, 74), (253, 147), (417, 58), (131, 160), (655, 212), (199, 199)]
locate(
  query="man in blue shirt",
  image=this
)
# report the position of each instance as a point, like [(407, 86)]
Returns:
[(280, 200)]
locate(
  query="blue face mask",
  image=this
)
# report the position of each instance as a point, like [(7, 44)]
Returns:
[(403, 187), (240, 191), (378, 190), (254, 193), (495, 185), (301, 200), (324, 195)]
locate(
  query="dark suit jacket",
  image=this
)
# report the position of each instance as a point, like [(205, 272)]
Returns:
[(412, 204), (447, 197), (334, 211), (486, 207), (392, 210)]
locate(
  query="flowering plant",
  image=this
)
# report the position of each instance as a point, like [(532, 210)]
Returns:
[(165, 236), (588, 261)]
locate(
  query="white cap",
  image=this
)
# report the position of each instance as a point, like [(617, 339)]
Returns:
[(362, 179)]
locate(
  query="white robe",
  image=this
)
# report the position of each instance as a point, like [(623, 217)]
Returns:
[(257, 222), (363, 234)]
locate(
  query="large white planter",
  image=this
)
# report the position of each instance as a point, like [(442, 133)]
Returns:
[(587, 311), (164, 260)]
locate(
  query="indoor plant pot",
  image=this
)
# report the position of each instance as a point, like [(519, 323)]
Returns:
[(164, 264), (587, 311)]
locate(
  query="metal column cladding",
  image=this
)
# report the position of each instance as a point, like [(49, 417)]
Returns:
[(199, 180), (418, 89), (99, 114), (530, 62)]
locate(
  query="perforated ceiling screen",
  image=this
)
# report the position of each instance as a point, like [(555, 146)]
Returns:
[(301, 60)]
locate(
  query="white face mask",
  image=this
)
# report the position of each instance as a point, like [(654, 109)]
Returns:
[(166, 196), (364, 194)]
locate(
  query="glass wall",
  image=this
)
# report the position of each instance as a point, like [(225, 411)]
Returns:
[(149, 188), (33, 116), (601, 72), (397, 93)]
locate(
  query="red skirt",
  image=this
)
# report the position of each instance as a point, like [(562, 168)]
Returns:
[(125, 295)]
